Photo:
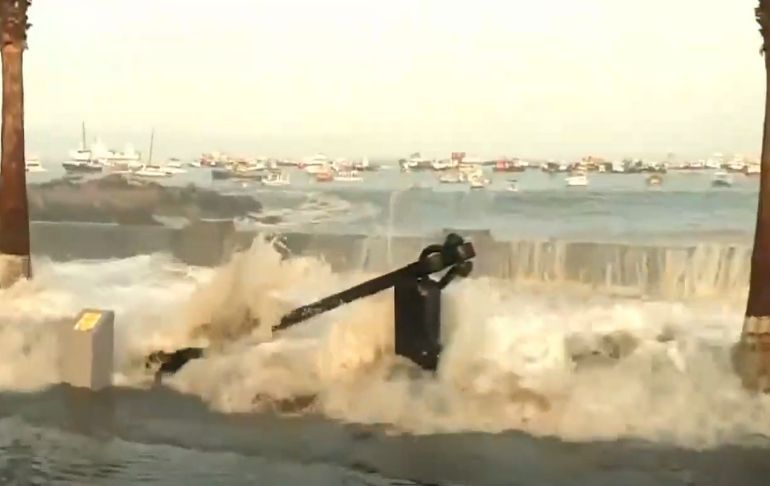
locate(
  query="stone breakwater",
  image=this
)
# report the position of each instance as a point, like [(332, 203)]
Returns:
[(118, 200)]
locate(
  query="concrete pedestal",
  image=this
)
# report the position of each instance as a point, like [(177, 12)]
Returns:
[(87, 350)]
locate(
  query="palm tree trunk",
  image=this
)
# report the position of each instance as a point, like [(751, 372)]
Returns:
[(14, 220), (752, 358)]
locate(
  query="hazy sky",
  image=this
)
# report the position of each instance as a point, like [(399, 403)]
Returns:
[(384, 78)]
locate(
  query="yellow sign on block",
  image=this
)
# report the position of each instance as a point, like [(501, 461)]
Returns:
[(88, 321)]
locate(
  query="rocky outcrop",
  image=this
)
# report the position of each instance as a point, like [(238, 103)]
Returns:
[(115, 199)]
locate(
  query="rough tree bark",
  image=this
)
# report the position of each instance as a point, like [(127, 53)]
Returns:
[(14, 218), (752, 354)]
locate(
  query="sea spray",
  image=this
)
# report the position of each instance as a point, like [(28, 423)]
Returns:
[(392, 214), (144, 291), (575, 366)]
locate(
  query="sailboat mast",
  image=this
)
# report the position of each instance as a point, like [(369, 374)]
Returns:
[(152, 140), (83, 135)]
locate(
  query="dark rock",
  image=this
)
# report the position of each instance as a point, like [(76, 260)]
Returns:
[(116, 199)]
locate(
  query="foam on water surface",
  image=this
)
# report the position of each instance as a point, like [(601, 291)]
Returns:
[(580, 367)]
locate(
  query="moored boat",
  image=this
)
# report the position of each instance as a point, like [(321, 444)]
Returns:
[(722, 179), (348, 176), (151, 170), (751, 169), (33, 165), (82, 166), (478, 181), (577, 179), (654, 180), (452, 178), (275, 179)]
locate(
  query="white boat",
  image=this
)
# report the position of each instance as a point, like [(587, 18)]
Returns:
[(326, 176), (80, 155), (736, 165), (654, 180), (752, 169), (363, 164), (174, 163), (274, 179), (577, 179), (246, 168), (33, 165), (473, 160), (478, 182), (451, 178), (172, 170), (417, 161), (171, 167), (348, 176), (716, 161), (121, 169), (513, 186), (691, 166), (722, 179), (442, 164), (470, 171), (82, 166), (108, 156), (316, 169), (149, 170), (317, 159)]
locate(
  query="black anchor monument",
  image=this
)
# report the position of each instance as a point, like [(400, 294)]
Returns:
[(417, 303)]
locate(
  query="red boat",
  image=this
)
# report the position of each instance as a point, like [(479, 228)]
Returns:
[(507, 166)]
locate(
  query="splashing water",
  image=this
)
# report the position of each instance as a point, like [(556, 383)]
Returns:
[(545, 363), (315, 209), (392, 204)]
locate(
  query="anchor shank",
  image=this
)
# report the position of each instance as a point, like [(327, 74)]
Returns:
[(365, 289)]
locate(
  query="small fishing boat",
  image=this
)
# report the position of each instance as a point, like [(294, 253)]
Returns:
[(276, 179), (654, 180), (505, 165), (326, 176), (513, 186), (451, 179), (722, 179), (751, 169), (317, 169), (478, 182), (174, 163), (577, 179), (150, 170), (33, 165), (348, 176), (174, 166)]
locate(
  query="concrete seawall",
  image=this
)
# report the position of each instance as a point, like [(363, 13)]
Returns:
[(702, 270)]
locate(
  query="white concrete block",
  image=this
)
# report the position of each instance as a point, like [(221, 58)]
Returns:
[(87, 349)]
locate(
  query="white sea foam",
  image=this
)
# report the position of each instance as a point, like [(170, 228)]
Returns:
[(317, 208), (545, 362)]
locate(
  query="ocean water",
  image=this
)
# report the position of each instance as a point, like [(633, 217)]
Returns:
[(614, 207), (545, 383)]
